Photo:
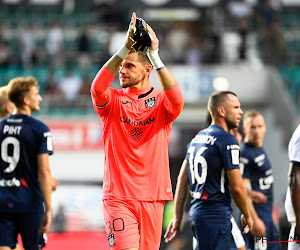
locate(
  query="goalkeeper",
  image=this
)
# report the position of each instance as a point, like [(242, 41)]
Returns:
[(136, 124)]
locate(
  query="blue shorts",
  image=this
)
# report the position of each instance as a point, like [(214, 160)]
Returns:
[(211, 234), (25, 224), (42, 240)]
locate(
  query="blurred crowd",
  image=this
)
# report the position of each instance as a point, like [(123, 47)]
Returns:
[(190, 42), (73, 51)]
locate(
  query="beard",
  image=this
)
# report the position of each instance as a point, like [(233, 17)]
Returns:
[(231, 124), (131, 81), (128, 84)]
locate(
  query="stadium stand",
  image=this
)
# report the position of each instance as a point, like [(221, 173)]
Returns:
[(100, 25), (266, 76)]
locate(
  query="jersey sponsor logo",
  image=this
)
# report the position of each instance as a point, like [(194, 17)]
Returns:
[(198, 195), (195, 195), (13, 182), (10, 183), (150, 103), (234, 146), (207, 139), (15, 120), (136, 134), (136, 123), (266, 183), (127, 102)]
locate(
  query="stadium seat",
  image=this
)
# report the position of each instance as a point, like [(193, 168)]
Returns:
[(12, 72)]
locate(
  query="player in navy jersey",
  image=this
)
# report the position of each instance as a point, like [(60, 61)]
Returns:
[(237, 237), (210, 170), (6, 109), (258, 178), (25, 176)]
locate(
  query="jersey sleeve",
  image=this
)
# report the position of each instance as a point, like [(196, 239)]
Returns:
[(187, 154), (230, 152), (100, 91), (46, 141), (294, 146), (174, 101)]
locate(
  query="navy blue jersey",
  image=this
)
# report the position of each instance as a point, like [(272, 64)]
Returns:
[(256, 167), (22, 139), (210, 153)]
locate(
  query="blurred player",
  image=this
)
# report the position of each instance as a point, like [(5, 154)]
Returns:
[(25, 176), (258, 178), (238, 240), (209, 171), (292, 201), (237, 134), (136, 123), (6, 106)]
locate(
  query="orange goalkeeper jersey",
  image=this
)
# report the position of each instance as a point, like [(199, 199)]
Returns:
[(136, 127)]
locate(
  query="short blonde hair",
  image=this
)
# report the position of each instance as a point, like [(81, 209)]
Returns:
[(250, 113), (19, 87), (3, 100), (216, 100), (143, 58)]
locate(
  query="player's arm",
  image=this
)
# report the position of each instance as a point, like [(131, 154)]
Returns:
[(259, 227), (167, 80), (257, 197), (294, 183), (239, 195), (107, 73), (54, 183), (45, 179), (180, 199), (115, 61)]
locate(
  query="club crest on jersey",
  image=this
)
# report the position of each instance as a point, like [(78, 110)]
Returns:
[(150, 103), (111, 240)]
